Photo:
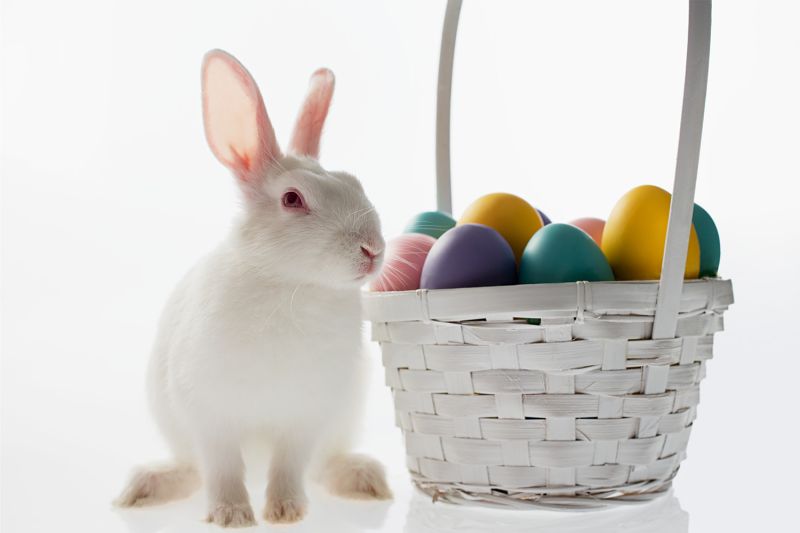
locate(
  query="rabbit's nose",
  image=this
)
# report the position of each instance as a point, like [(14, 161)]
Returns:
[(369, 252)]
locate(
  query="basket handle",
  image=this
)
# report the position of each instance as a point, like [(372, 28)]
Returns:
[(691, 130)]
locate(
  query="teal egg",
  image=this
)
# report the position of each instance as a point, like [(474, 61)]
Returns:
[(432, 223), (708, 238), (561, 253)]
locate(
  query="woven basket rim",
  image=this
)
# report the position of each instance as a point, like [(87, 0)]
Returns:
[(542, 300)]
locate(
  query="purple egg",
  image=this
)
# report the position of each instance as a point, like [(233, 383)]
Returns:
[(545, 219), (469, 255)]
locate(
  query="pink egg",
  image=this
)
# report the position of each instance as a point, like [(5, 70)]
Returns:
[(592, 226), (402, 268)]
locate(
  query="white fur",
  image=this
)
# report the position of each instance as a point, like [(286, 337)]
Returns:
[(262, 339)]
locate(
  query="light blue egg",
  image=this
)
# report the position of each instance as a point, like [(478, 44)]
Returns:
[(433, 223), (561, 253), (708, 238)]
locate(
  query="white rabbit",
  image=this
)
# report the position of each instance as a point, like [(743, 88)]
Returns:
[(263, 336)]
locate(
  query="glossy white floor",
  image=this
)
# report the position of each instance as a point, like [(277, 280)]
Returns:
[(67, 448)]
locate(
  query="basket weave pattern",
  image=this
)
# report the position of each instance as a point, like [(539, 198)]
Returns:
[(584, 404)]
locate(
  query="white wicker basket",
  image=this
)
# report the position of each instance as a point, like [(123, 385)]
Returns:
[(591, 401)]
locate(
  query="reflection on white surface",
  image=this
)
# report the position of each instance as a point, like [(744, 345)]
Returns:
[(664, 515), (413, 512), (326, 513)]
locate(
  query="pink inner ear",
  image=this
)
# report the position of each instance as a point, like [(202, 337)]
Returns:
[(237, 127), (308, 128)]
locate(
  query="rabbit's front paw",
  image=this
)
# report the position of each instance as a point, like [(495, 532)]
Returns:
[(158, 484), (357, 476), (284, 511), (227, 514)]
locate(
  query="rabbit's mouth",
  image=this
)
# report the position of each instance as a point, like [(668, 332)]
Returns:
[(371, 263), (368, 271)]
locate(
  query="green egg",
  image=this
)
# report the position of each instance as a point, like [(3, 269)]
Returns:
[(708, 238), (433, 223), (562, 253)]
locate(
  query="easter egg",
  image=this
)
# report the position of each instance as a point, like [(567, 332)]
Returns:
[(469, 255), (708, 237), (635, 233), (560, 253), (432, 223), (545, 219), (402, 267), (513, 218), (592, 226)]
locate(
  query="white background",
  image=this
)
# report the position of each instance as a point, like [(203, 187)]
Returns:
[(110, 193)]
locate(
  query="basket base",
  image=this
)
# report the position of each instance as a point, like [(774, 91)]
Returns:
[(584, 501)]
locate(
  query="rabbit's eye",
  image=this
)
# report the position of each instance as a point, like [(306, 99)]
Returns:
[(293, 200)]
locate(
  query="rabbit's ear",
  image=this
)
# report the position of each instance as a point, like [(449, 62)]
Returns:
[(237, 127), (308, 128)]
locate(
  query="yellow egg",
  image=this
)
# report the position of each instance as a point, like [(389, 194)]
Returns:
[(634, 235), (511, 216)]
